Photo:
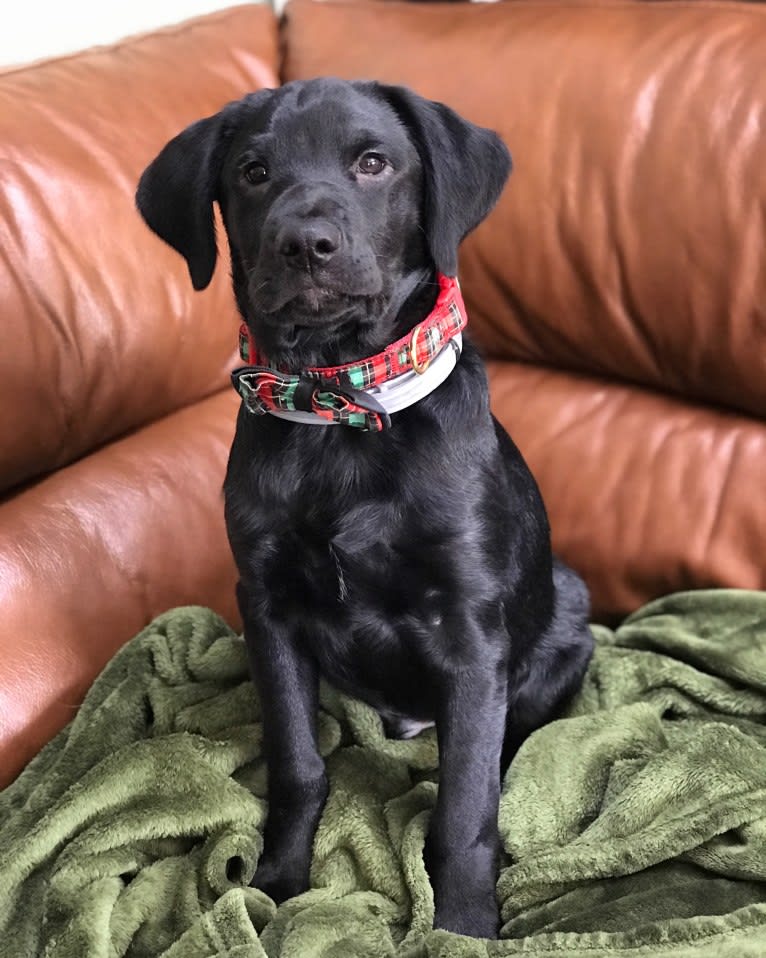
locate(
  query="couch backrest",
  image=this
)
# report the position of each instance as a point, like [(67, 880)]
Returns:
[(106, 331), (624, 270)]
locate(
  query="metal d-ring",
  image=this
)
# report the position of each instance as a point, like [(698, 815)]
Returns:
[(419, 366)]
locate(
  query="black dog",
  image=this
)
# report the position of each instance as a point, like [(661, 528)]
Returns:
[(408, 562)]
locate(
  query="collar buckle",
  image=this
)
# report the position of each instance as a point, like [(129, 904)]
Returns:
[(419, 365)]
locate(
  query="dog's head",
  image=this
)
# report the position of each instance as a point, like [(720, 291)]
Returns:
[(336, 197)]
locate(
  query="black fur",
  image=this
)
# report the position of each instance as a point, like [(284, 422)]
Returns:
[(412, 568)]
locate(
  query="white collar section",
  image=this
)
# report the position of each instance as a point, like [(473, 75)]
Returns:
[(398, 393)]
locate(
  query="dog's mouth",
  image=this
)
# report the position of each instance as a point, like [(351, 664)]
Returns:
[(319, 306), (302, 325), (312, 308), (318, 324), (310, 300)]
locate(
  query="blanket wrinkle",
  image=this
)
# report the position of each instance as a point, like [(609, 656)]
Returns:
[(634, 826)]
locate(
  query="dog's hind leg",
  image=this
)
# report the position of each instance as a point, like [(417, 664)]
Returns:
[(557, 663)]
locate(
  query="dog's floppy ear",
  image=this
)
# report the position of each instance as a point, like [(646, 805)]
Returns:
[(176, 192), (465, 169)]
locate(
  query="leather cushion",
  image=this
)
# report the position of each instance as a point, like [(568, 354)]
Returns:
[(92, 553), (646, 494)]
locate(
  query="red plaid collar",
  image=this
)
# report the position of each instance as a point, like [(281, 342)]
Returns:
[(336, 393)]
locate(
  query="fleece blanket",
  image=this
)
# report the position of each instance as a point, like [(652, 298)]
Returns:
[(634, 826)]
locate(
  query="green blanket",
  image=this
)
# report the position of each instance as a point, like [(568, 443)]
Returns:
[(635, 826)]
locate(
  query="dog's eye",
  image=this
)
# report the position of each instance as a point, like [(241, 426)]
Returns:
[(372, 163), (255, 173)]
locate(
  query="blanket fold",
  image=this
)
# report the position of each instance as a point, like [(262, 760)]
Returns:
[(635, 825)]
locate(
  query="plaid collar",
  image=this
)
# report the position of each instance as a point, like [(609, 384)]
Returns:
[(338, 394)]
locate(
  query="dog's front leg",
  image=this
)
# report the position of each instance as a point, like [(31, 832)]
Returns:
[(463, 841), (288, 685)]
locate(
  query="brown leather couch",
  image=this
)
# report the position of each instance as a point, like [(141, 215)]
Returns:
[(618, 291)]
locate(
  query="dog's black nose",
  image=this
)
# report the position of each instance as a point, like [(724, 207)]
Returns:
[(309, 244)]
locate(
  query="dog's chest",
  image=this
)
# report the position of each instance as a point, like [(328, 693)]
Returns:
[(318, 566), (368, 616), (361, 577), (364, 548)]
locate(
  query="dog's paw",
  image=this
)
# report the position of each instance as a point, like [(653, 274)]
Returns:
[(463, 880), (280, 882)]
